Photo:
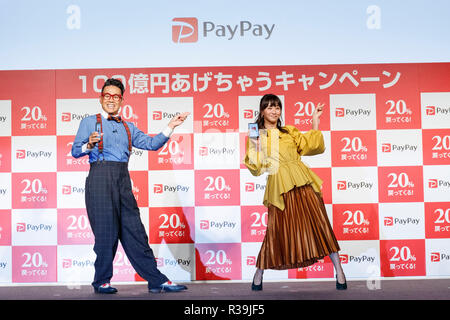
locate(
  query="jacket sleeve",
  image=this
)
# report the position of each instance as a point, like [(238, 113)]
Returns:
[(143, 141), (254, 159), (309, 143), (81, 139)]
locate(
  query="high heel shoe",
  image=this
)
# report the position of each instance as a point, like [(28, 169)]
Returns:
[(257, 287), (341, 286)]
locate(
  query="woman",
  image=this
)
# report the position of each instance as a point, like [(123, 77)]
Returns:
[(298, 230)]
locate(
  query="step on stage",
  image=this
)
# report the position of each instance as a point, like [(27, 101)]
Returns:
[(232, 300)]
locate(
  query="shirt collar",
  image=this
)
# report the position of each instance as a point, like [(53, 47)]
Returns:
[(104, 114)]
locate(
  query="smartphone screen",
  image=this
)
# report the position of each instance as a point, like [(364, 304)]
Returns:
[(98, 128), (253, 131)]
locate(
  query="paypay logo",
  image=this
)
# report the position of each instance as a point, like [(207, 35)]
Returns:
[(67, 190), (162, 115), (251, 260), (391, 221), (252, 186), (388, 147), (69, 116), (430, 110), (205, 151), (204, 224), (187, 30), (22, 154), (436, 183), (184, 30), (161, 262), (69, 263), (433, 110), (157, 115), (210, 224), (21, 227), (24, 227), (161, 188), (250, 113), (346, 185), (342, 112), (346, 258), (438, 257)]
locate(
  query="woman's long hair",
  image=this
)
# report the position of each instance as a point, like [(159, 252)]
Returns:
[(267, 100)]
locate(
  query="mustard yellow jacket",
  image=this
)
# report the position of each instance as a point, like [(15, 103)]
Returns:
[(279, 154)]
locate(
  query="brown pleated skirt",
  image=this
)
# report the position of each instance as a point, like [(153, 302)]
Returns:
[(298, 236)]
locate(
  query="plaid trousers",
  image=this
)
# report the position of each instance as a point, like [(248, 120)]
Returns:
[(113, 214)]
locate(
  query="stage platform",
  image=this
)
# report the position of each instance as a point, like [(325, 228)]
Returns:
[(426, 289)]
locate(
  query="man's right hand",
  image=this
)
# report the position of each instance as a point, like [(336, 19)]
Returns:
[(93, 139)]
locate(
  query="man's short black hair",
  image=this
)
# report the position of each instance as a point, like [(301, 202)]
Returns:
[(114, 82)]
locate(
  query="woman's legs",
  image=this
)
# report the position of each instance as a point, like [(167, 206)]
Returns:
[(257, 278), (338, 267)]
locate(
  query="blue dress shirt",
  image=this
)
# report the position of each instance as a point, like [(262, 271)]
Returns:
[(115, 140)]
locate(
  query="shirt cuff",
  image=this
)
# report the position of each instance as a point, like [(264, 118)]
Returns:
[(167, 132), (85, 149)]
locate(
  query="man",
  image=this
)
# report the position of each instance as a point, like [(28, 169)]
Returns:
[(111, 207)]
